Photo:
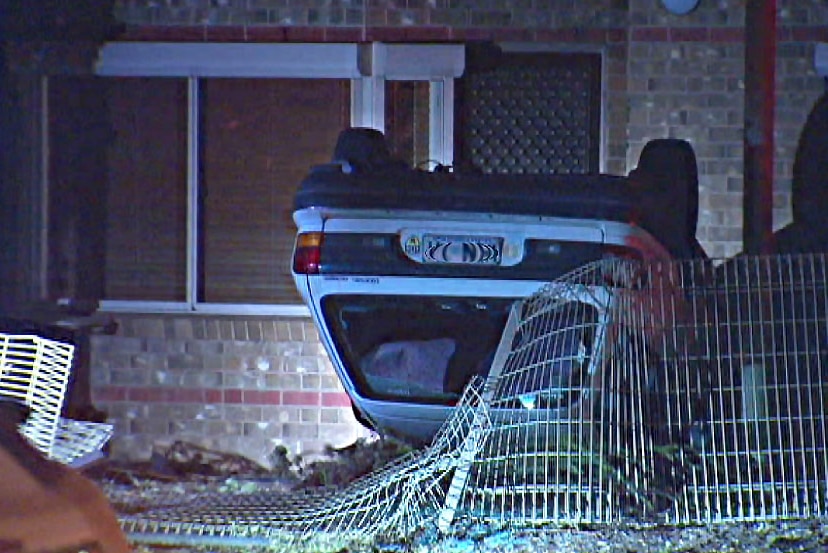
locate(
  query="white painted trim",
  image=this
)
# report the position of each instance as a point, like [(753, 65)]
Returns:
[(165, 59), (253, 310), (821, 59), (127, 306), (368, 103), (417, 62), (357, 101), (193, 163), (441, 122), (160, 307)]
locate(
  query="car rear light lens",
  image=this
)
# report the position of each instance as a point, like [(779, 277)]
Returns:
[(307, 257)]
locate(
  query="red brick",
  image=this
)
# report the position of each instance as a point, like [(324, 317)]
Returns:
[(149, 395), (425, 34), (584, 36), (212, 396), (138, 394), (385, 34), (723, 34), (111, 393), (261, 397), (187, 395), (344, 34), (300, 398), (650, 34), (556, 35), (471, 34), (268, 34), (507, 34), (305, 34), (166, 33), (162, 395), (335, 399), (616, 35), (809, 34), (592, 35), (225, 33), (689, 34), (232, 396)]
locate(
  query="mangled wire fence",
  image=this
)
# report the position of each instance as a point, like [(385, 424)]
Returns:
[(671, 393), (395, 500), (682, 392)]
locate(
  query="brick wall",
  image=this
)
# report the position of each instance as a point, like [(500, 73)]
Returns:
[(686, 80), (231, 384), (246, 384), (667, 75)]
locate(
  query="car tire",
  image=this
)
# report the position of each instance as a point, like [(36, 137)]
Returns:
[(667, 173), (364, 150)]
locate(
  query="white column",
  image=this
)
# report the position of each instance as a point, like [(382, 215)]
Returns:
[(368, 102), (441, 122)]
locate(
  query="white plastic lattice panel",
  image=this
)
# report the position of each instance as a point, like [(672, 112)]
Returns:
[(80, 442), (35, 371)]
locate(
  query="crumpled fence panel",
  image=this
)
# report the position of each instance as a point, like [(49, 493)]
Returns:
[(35, 371), (665, 393), (682, 392), (393, 501)]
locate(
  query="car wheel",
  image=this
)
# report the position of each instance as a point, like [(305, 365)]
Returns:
[(667, 175)]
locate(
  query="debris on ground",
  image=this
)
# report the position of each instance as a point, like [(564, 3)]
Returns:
[(184, 462), (341, 466)]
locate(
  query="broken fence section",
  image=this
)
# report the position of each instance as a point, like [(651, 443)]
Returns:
[(669, 393), (676, 393)]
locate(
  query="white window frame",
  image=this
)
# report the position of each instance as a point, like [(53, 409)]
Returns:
[(368, 67)]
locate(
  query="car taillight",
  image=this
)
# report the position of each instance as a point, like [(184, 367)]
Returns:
[(307, 256)]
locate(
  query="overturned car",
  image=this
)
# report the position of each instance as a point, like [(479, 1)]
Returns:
[(410, 275)]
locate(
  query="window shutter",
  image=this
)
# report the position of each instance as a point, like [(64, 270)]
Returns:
[(146, 225), (259, 138)]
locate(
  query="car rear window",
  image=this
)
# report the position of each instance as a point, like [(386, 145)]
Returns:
[(415, 348)]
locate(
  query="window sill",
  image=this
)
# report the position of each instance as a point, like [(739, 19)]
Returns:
[(161, 307)]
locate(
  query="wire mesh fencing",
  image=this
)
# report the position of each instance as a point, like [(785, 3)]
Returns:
[(670, 393), (395, 500), (676, 393)]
